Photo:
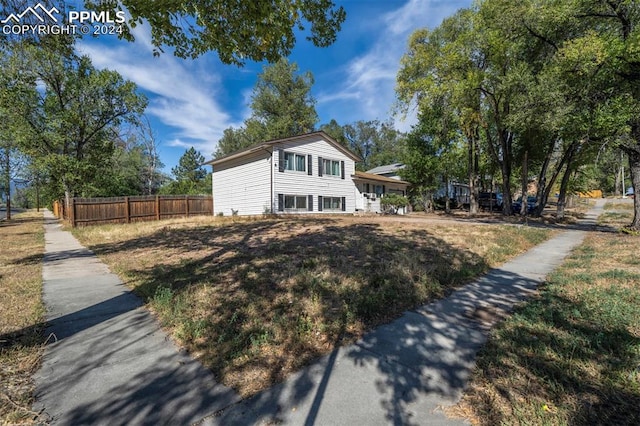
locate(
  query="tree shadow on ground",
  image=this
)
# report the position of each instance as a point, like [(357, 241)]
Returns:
[(81, 379), (259, 300), (552, 347), (401, 372)]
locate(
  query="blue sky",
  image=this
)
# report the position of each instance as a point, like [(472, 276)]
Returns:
[(191, 102)]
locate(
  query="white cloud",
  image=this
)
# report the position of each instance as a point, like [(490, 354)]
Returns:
[(368, 91), (181, 93)]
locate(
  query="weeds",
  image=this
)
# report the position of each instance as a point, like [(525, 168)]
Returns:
[(21, 321)]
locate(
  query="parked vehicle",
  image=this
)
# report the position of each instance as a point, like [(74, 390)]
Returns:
[(490, 200), (532, 203)]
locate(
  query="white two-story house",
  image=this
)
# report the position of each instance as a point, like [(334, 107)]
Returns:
[(310, 173)]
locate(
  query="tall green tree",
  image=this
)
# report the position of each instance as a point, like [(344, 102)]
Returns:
[(282, 103), (281, 106), (590, 49), (76, 117), (375, 142), (443, 73), (189, 175), (238, 31), (336, 131), (15, 94)]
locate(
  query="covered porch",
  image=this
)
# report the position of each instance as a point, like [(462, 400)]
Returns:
[(371, 188)]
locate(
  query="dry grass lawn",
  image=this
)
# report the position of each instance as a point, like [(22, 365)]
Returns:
[(21, 314), (572, 356), (256, 299)]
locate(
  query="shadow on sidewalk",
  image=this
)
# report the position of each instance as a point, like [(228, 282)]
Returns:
[(422, 359)]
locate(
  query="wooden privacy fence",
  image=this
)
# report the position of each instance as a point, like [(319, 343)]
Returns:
[(94, 211)]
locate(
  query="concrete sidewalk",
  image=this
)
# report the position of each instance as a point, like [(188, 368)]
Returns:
[(112, 365), (109, 362)]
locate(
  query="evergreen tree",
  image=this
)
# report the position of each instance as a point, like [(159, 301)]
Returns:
[(190, 177), (281, 105)]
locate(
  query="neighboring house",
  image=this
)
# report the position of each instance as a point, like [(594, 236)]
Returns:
[(388, 170), (309, 173)]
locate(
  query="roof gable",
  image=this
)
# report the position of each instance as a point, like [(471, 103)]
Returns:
[(387, 168), (267, 144)]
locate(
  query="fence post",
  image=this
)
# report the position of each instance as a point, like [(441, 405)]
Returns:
[(73, 212), (186, 205), (126, 209), (157, 207)]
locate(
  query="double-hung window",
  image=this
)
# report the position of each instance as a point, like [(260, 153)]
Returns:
[(295, 202), (295, 162), (331, 167), (331, 203)]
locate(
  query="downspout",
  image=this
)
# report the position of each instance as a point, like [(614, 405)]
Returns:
[(271, 206)]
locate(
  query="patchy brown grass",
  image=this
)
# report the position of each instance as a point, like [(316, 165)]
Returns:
[(256, 299), (22, 313), (572, 356)]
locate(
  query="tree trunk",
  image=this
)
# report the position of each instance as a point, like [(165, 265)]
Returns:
[(447, 202), (634, 167), (542, 194), (6, 159), (562, 196), (524, 207), (506, 142), (473, 174)]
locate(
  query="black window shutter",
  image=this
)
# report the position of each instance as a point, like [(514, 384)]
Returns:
[(342, 167), (383, 189), (319, 166), (309, 164), (280, 202), (310, 206), (319, 203), (368, 189), (281, 160), (344, 204)]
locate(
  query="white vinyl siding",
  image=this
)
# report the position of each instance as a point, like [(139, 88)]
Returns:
[(243, 185), (311, 183)]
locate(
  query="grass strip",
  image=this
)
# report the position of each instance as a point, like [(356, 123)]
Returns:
[(21, 321), (572, 355)]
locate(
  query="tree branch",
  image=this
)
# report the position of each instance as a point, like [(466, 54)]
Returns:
[(539, 36)]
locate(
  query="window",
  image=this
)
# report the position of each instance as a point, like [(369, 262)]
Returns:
[(331, 167), (295, 202), (331, 203), (295, 162)]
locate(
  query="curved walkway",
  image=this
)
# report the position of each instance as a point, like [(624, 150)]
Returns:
[(111, 364)]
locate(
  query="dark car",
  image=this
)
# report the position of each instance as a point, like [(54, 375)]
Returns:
[(532, 203), (490, 200)]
